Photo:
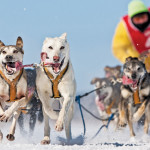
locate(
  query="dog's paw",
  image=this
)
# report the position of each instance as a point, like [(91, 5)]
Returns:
[(122, 123), (1, 136), (10, 137), (5, 116), (59, 126), (45, 141)]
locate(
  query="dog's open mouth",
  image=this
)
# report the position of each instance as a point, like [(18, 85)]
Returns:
[(57, 66), (134, 84), (10, 67), (103, 96)]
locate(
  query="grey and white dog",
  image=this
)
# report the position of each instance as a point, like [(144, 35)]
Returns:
[(135, 94), (107, 97)]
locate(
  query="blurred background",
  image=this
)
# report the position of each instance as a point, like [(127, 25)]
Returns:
[(90, 25)]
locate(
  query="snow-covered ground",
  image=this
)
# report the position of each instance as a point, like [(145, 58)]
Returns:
[(108, 139)]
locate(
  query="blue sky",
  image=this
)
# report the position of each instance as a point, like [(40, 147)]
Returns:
[(90, 25)]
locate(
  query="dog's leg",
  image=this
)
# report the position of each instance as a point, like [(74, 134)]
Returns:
[(147, 118), (10, 136), (1, 136), (9, 112), (46, 139), (122, 114), (129, 119), (139, 113), (68, 101), (45, 99), (1, 112), (68, 123), (32, 121), (146, 125), (1, 109)]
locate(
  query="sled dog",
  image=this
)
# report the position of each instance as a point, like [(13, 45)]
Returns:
[(107, 97), (135, 94), (56, 83), (13, 89), (34, 107)]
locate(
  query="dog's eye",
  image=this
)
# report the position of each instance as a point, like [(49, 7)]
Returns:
[(50, 47), (104, 86), (15, 51), (4, 52), (138, 68), (128, 69), (62, 47)]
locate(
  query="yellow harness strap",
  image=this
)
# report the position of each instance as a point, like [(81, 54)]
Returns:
[(147, 62), (108, 110), (136, 97), (12, 86), (56, 81)]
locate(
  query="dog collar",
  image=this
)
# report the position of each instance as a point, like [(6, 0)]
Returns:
[(56, 81), (12, 85)]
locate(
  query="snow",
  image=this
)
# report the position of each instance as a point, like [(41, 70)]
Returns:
[(107, 139)]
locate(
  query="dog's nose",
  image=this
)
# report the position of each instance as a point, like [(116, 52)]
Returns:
[(133, 76), (56, 58), (9, 57)]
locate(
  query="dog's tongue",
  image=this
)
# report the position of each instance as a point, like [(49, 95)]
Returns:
[(56, 67), (18, 65), (127, 81)]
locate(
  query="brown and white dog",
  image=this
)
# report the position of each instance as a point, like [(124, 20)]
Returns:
[(135, 94), (56, 83), (13, 89)]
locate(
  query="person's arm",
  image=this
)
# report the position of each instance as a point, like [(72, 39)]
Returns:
[(121, 45)]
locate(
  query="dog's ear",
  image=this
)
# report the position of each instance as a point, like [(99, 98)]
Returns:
[(43, 56), (118, 67), (106, 68), (128, 59), (95, 80), (63, 36), (1, 44), (19, 42), (142, 58)]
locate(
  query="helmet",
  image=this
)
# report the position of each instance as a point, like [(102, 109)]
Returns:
[(136, 7)]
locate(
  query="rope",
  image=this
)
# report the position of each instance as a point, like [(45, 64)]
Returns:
[(109, 120), (78, 101)]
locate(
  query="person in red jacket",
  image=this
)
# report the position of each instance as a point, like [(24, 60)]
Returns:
[(132, 36)]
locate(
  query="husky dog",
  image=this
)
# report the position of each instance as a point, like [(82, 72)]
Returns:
[(135, 94), (56, 83), (13, 89), (113, 71), (107, 97), (34, 107)]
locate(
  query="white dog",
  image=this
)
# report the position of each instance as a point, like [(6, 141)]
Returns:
[(13, 89), (56, 82)]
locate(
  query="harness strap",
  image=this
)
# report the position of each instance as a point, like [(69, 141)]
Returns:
[(136, 97), (56, 81), (12, 86), (108, 110)]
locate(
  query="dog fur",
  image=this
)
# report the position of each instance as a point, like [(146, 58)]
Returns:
[(113, 71), (56, 50), (10, 55), (108, 94), (129, 112), (34, 106)]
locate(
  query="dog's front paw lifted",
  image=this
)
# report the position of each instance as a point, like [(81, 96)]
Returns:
[(10, 137), (59, 126), (5, 116)]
